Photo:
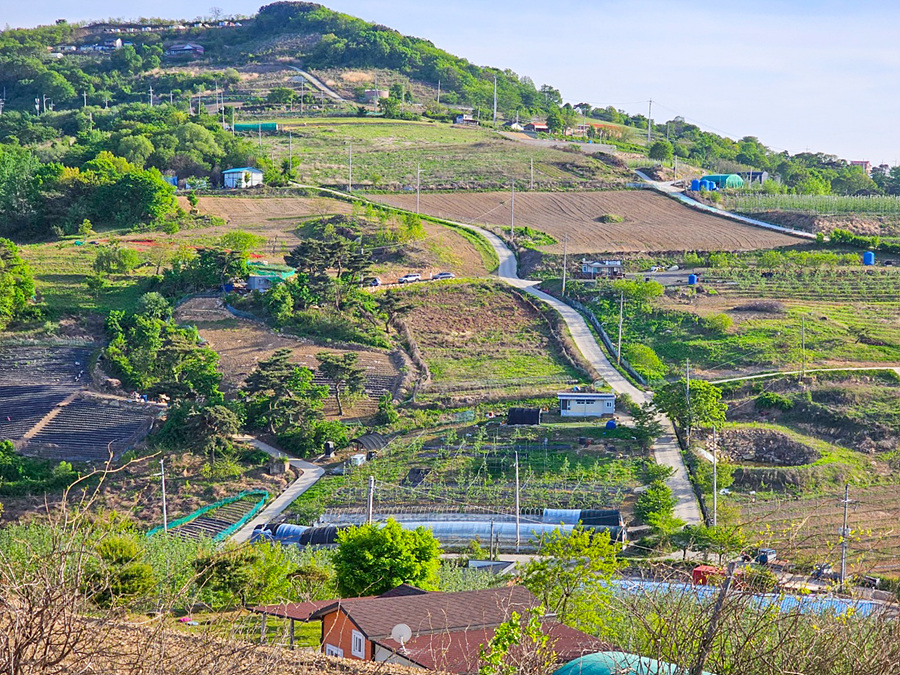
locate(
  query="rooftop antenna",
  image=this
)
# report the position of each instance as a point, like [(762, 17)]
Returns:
[(401, 633)]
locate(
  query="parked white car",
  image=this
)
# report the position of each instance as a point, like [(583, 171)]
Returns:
[(409, 278)]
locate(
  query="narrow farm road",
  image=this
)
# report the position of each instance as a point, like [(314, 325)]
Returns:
[(318, 84), (311, 474), (666, 449)]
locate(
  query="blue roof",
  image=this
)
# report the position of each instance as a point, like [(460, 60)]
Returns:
[(242, 169)]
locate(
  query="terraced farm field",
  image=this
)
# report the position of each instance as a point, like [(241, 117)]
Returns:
[(480, 340), (649, 222)]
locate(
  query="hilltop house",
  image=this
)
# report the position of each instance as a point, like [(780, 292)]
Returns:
[(445, 630), (537, 128), (243, 177), (186, 49)]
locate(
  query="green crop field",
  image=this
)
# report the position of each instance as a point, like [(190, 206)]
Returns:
[(751, 202)]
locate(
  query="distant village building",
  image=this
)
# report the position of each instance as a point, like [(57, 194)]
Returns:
[(586, 403), (602, 268), (243, 177), (865, 164), (466, 120), (537, 128), (112, 45), (186, 49)]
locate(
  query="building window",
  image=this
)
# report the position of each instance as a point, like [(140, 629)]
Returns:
[(564, 404), (359, 645), (331, 650)]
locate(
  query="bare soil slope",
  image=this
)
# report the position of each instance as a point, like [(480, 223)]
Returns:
[(650, 222), (240, 344), (278, 220)]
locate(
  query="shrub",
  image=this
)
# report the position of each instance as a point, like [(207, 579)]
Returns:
[(718, 323), (656, 501), (644, 360), (772, 399)]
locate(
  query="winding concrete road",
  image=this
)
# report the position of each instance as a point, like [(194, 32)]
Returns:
[(666, 449), (311, 474)]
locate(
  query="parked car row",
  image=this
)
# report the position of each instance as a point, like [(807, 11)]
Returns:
[(410, 279)]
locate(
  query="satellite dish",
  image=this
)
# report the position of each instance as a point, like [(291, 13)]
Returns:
[(401, 633)]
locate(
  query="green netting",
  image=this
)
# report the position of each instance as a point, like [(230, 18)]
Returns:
[(212, 507)]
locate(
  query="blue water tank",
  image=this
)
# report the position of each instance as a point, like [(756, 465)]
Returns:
[(611, 424), (692, 279), (695, 185), (868, 258), (705, 185)]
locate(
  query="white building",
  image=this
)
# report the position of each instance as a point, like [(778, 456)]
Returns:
[(602, 268), (243, 177), (586, 403)]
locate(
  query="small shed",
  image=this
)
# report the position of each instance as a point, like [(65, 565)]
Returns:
[(725, 180), (263, 277), (243, 177), (586, 403), (529, 416)]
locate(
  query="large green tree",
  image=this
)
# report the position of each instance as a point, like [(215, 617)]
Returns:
[(282, 395), (372, 559), (699, 405), (569, 575), (16, 283), (344, 373)]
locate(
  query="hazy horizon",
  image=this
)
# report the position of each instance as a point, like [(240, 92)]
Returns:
[(798, 75)]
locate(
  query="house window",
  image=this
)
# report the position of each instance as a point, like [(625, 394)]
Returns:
[(359, 645), (331, 650)]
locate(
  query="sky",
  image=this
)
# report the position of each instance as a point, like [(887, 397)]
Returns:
[(816, 75)]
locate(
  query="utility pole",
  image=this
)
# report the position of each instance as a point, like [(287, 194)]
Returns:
[(802, 347), (171, 99), (370, 501), (649, 121), (517, 501), (303, 95), (621, 318), (290, 152), (162, 477), (259, 132), (84, 96), (715, 477), (532, 174), (350, 174), (675, 170), (845, 534), (687, 396), (439, 93), (151, 95), (565, 262), (418, 185), (512, 211), (495, 101)]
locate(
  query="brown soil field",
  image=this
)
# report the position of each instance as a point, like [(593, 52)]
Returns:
[(651, 222), (241, 343), (278, 219)]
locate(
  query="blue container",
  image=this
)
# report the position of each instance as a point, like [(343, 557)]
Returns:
[(868, 258), (692, 279), (705, 185), (611, 424), (695, 185)]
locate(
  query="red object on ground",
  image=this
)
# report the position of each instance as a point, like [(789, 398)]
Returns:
[(702, 573)]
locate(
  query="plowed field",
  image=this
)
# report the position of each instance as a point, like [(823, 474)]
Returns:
[(650, 222)]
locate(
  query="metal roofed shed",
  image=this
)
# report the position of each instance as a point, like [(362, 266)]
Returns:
[(370, 442), (243, 177), (724, 180), (578, 403), (616, 663)]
